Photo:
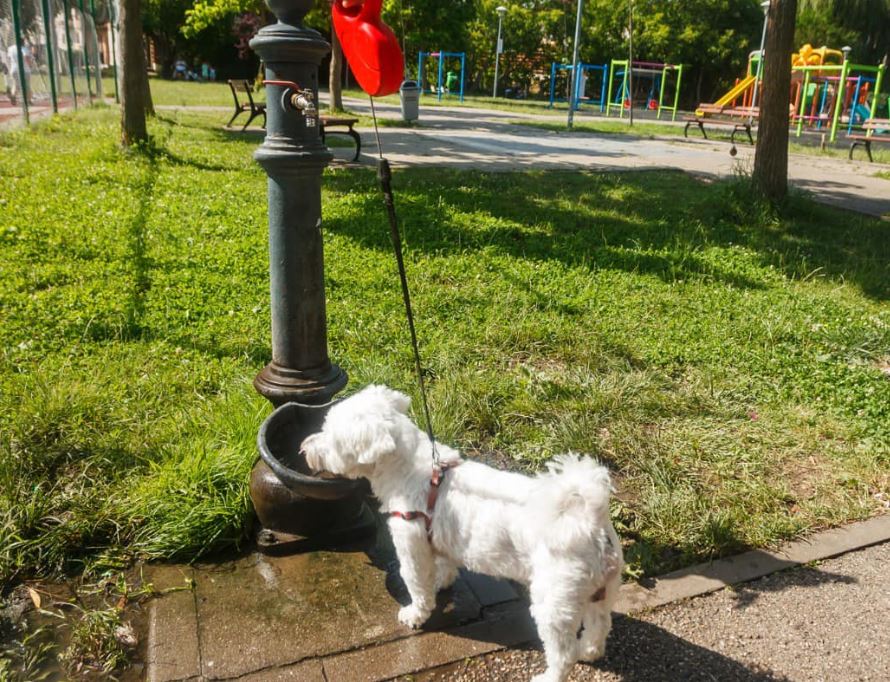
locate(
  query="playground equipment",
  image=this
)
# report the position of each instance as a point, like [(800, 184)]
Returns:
[(654, 74), (581, 83), (827, 90), (445, 82)]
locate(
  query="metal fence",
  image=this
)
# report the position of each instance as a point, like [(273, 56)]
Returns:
[(52, 56)]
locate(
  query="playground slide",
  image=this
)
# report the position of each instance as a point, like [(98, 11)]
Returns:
[(735, 92)]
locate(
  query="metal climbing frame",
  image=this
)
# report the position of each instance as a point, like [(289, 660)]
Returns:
[(580, 83), (660, 74), (442, 56)]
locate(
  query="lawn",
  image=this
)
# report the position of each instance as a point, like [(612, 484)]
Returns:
[(727, 361)]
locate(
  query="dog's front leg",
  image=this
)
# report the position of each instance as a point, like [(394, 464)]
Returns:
[(417, 567)]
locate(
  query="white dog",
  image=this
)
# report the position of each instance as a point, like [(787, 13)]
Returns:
[(551, 532)]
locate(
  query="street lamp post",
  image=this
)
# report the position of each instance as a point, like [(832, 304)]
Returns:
[(575, 57), (630, 64), (498, 48), (765, 6)]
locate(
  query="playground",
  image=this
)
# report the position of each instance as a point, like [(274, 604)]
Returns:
[(829, 93)]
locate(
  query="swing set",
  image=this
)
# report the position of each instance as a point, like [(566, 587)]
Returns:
[(581, 82), (656, 73), (446, 82)]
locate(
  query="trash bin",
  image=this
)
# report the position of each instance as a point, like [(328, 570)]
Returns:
[(409, 94)]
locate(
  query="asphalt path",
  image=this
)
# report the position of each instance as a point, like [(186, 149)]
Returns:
[(491, 140)]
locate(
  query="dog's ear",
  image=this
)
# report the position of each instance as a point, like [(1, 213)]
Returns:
[(400, 401), (369, 439)]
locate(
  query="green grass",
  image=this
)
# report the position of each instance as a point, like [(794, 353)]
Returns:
[(723, 358)]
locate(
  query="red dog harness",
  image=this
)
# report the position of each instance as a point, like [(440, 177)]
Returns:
[(435, 481)]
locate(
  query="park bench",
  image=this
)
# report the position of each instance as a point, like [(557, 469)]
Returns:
[(328, 122), (253, 108), (739, 118), (874, 130)]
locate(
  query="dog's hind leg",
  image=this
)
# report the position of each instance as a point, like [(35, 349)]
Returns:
[(417, 566), (446, 573), (556, 608)]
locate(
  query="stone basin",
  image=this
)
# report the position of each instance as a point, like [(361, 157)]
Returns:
[(279, 440), (289, 498)]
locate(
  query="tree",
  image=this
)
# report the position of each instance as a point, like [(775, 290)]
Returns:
[(771, 154), (336, 73), (864, 25), (134, 91)]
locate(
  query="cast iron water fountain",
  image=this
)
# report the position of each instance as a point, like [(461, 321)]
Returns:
[(297, 509)]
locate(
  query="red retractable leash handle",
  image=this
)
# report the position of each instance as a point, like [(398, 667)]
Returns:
[(370, 47), (374, 55)]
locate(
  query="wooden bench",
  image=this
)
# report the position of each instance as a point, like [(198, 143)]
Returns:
[(875, 130), (328, 122), (700, 121), (705, 113), (253, 108)]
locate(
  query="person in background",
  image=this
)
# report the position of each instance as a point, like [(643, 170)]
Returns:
[(208, 73), (12, 64), (180, 70)]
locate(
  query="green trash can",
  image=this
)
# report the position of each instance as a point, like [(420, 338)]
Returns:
[(409, 95)]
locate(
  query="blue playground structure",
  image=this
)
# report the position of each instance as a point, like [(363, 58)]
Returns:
[(581, 83), (444, 83), (859, 111)]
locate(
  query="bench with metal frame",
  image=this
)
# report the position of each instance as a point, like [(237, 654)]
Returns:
[(252, 107), (738, 124), (871, 134), (328, 122)]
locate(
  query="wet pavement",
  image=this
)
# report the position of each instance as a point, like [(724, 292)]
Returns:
[(257, 614)]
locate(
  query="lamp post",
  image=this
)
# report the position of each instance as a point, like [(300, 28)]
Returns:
[(575, 53), (498, 48), (289, 503), (630, 64), (765, 6)]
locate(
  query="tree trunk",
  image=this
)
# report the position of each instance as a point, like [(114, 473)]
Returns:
[(771, 155), (336, 73), (134, 77)]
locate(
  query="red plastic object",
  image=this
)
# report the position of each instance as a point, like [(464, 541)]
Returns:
[(370, 47)]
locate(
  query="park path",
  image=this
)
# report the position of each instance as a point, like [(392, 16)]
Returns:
[(461, 137)]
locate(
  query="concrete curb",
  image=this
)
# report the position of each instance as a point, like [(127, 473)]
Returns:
[(710, 577), (430, 650)]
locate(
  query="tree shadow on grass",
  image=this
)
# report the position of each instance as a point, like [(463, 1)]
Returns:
[(656, 223)]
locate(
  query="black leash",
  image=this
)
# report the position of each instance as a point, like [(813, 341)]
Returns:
[(384, 177)]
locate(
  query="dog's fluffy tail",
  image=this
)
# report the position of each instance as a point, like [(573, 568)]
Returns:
[(571, 501)]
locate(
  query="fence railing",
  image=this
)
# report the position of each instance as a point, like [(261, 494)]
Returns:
[(52, 56)]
